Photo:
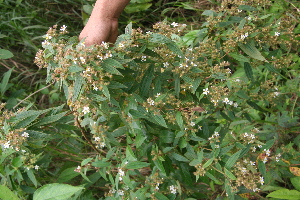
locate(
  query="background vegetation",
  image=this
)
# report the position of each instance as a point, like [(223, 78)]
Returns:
[(50, 146)]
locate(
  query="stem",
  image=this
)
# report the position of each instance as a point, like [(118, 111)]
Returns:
[(86, 138), (32, 94)]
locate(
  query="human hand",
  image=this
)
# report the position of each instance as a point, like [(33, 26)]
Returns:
[(99, 30), (103, 23)]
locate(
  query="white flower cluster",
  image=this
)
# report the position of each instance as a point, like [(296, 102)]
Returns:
[(173, 189), (121, 174), (150, 101)]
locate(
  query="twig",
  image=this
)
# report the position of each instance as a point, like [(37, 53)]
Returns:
[(86, 138), (32, 94)]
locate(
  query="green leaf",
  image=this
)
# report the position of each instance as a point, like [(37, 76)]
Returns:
[(4, 82), (110, 65), (17, 162), (137, 7), (137, 114), (129, 154), (137, 165), (255, 106), (177, 84), (248, 70), (296, 182), (160, 196), (160, 166), (86, 161), (28, 120), (262, 168), (179, 157), (285, 194), (232, 159), (209, 13), (252, 51), (228, 189), (229, 174), (101, 163), (5, 54), (50, 119), (239, 57), (173, 47), (159, 120), (87, 9), (179, 120), (271, 68), (32, 177), (56, 191), (67, 175), (208, 163), (105, 91), (147, 80), (77, 86), (7, 194)]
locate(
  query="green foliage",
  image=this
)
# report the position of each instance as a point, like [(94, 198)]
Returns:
[(174, 113)]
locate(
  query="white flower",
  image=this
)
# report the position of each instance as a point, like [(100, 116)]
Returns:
[(120, 192), (265, 159), (157, 186), (157, 95), (75, 61), (216, 134), (174, 24), (100, 57), (97, 139), (108, 55), (82, 59), (252, 163), (277, 33), (192, 123), (244, 170), (6, 145), (143, 59), (45, 43), (166, 64), (25, 134), (173, 189), (95, 88), (36, 167), (276, 94), (86, 110), (278, 157), (253, 149), (268, 152), (78, 169), (217, 146), (63, 28), (105, 45), (48, 37), (205, 91), (102, 145), (261, 180), (150, 101), (226, 101), (235, 105), (121, 172), (121, 45), (24, 151)]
